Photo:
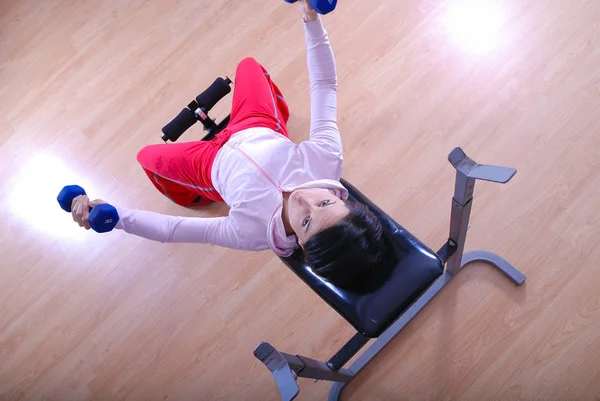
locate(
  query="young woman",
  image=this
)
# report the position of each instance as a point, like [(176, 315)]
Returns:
[(281, 195)]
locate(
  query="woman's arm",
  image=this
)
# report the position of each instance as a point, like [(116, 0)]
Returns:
[(164, 228), (169, 229), (323, 83)]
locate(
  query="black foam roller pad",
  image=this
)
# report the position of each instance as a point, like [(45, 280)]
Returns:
[(184, 120), (215, 92)]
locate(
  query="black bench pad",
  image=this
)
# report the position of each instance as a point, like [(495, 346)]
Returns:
[(373, 306)]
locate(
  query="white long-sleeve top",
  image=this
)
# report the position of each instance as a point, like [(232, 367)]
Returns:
[(253, 169)]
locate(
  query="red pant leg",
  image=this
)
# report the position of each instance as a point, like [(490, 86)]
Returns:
[(182, 172), (257, 101)]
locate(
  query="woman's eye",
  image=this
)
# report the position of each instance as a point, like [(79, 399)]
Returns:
[(325, 203), (305, 222)]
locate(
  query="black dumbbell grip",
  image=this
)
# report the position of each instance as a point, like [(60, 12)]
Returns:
[(174, 129), (215, 92)]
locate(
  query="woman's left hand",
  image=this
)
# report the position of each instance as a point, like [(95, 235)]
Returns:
[(308, 13)]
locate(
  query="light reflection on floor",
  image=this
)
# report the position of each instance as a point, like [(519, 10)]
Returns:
[(32, 196), (475, 26)]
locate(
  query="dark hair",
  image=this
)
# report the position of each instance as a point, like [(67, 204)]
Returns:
[(349, 250)]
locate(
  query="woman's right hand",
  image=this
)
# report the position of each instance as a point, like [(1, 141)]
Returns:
[(80, 210)]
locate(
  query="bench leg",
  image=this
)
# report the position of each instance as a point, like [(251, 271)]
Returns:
[(483, 256), (467, 173), (286, 368), (284, 374)]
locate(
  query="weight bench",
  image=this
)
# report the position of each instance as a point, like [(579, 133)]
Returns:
[(379, 309)]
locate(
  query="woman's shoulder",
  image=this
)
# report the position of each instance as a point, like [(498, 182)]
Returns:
[(259, 225), (318, 149), (321, 163), (251, 225)]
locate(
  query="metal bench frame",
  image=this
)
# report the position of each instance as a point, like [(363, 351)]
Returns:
[(287, 368)]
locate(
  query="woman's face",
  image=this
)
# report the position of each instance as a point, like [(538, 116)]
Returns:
[(312, 210)]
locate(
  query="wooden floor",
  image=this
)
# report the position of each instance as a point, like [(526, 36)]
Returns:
[(85, 84)]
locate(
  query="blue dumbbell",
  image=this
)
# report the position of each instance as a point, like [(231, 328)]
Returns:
[(320, 6), (102, 218)]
